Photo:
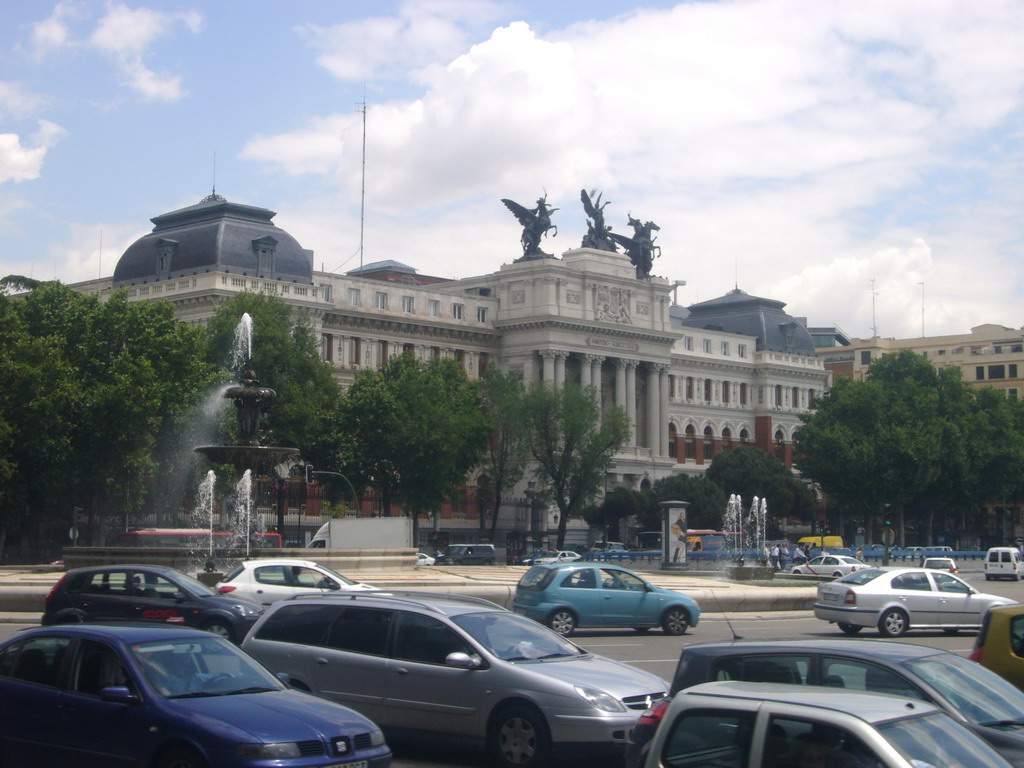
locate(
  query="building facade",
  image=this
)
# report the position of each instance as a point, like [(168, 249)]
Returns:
[(732, 371)]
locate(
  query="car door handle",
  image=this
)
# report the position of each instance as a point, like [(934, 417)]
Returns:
[(401, 671), (321, 660)]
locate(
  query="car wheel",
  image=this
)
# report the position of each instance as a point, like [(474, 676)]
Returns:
[(893, 623), (850, 629), (675, 621), (837, 575), (563, 621), (519, 738), (219, 628), (641, 630), (181, 757)]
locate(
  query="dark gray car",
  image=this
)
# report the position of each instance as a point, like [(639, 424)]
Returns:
[(970, 694), (430, 668)]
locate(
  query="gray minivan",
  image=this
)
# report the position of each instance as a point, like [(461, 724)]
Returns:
[(468, 554), (456, 669)]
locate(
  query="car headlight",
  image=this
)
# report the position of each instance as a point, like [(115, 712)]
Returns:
[(244, 609), (376, 738), (269, 751), (600, 699)]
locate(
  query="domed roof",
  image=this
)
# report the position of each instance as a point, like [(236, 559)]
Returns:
[(739, 312), (215, 236)]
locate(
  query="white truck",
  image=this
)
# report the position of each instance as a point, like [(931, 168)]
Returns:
[(364, 533)]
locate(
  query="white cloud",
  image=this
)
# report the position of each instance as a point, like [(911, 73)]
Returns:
[(16, 101), (126, 34), (422, 33), (19, 162), (52, 33)]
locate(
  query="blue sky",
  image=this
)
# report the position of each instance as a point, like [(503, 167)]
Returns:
[(858, 161)]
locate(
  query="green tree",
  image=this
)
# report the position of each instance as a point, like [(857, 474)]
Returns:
[(750, 472), (571, 441), (286, 358), (616, 506), (106, 380), (707, 501), (413, 430), (501, 397)]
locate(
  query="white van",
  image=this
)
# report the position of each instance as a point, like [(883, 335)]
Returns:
[(1003, 563)]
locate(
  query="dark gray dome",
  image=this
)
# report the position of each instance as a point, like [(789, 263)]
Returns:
[(215, 236), (739, 312)]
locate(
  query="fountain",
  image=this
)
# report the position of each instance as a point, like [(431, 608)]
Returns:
[(751, 539)]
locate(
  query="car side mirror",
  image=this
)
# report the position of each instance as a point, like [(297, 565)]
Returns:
[(285, 678), (461, 660), (179, 596), (118, 694)]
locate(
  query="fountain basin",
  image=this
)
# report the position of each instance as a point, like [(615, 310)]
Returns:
[(261, 459), (750, 572)]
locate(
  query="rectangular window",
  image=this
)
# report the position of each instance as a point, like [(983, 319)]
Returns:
[(741, 350), (458, 311), (407, 304), (327, 293), (997, 371), (382, 300), (865, 357), (688, 343), (1011, 393), (353, 297), (707, 346), (434, 307), (979, 373), (481, 314), (1012, 373), (725, 348), (942, 351)]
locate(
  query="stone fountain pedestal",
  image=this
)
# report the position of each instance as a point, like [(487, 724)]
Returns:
[(750, 572)]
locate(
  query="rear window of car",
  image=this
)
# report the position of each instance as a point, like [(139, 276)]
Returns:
[(301, 624), (865, 576), (537, 578)]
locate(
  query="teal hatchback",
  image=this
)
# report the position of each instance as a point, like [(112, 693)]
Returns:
[(566, 596)]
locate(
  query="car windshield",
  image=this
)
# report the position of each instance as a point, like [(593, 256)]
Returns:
[(199, 667), (857, 578), (338, 576), (931, 741), (977, 693), (515, 638)]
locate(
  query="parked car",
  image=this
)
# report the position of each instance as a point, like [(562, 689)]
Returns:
[(896, 599), (456, 669), (468, 554), (829, 565), (976, 698), (265, 581), (424, 559), (941, 564), (1004, 563), (999, 645), (147, 593), (790, 726), (565, 596), (544, 556), (168, 697)]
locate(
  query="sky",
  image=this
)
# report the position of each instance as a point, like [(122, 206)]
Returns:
[(860, 161)]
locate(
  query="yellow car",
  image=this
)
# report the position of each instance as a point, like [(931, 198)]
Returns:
[(1000, 643)]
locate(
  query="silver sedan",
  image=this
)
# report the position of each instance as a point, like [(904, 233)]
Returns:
[(829, 565), (896, 599)]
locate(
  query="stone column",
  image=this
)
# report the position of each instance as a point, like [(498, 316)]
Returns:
[(631, 398), (653, 410), (585, 372), (594, 363), (620, 383), (548, 366), (663, 410), (560, 368)]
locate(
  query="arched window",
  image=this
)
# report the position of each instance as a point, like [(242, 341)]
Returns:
[(709, 442), (780, 451), (691, 442), (672, 440), (726, 439), (744, 437)]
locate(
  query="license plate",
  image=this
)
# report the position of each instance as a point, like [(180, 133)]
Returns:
[(831, 597), (357, 764)]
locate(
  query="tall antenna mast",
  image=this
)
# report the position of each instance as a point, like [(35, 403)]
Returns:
[(362, 196), (874, 327)]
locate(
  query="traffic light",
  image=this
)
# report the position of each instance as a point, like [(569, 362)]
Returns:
[(888, 514), (309, 474)]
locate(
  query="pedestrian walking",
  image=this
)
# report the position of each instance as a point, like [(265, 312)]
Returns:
[(783, 555), (775, 556)]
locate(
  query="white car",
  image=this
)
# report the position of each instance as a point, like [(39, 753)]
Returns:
[(424, 559), (897, 599), (266, 581), (556, 557), (829, 565)]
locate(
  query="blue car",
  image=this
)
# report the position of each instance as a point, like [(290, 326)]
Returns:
[(565, 596), (164, 697)]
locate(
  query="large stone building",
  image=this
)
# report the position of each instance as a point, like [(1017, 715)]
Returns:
[(731, 371)]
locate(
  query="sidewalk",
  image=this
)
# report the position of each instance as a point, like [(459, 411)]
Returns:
[(24, 588)]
